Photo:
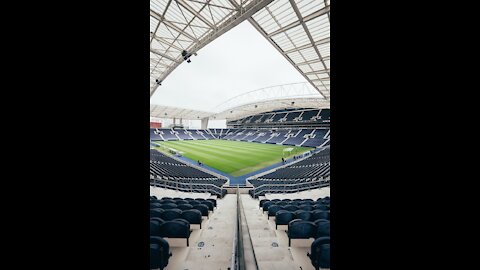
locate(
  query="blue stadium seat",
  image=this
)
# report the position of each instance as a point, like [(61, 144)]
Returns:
[(171, 214), (273, 209), (266, 205), (301, 229), (175, 229), (303, 215), (202, 208), (213, 201), (291, 207), (179, 202), (283, 217), (185, 207), (319, 214), (158, 260), (208, 204), (320, 253), (155, 227), (319, 206), (323, 229), (165, 201), (193, 216), (157, 212), (306, 207), (167, 206), (155, 205)]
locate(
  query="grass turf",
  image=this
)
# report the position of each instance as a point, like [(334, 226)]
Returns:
[(233, 157)]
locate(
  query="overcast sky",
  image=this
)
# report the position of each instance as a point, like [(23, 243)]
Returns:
[(239, 61)]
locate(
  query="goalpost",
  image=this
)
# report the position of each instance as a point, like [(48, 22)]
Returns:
[(288, 152), (170, 150)]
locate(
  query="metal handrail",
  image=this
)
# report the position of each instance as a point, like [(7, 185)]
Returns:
[(188, 187), (308, 185)]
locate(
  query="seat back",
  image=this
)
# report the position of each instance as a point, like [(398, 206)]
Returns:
[(320, 252), (156, 212), (213, 201), (262, 202), (319, 206), (179, 202), (208, 204), (202, 208), (193, 216), (319, 214), (283, 217), (302, 229), (167, 206), (164, 201), (161, 254), (291, 208), (155, 228), (306, 207), (171, 214), (303, 215), (273, 209), (185, 207), (266, 205), (155, 205), (323, 229), (175, 229)]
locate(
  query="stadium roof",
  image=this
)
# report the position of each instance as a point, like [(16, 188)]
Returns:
[(298, 29), (271, 105), (161, 111), (287, 96), (241, 111)]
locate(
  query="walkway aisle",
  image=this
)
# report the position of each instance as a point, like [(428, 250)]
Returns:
[(270, 245), (210, 249)]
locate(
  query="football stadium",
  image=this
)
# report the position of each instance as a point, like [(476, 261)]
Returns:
[(239, 134)]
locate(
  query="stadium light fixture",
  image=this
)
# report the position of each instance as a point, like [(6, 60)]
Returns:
[(186, 56)]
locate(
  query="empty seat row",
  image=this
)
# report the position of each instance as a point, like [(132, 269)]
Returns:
[(193, 216), (175, 228), (325, 200), (182, 204), (302, 229), (293, 206), (173, 200), (283, 217)]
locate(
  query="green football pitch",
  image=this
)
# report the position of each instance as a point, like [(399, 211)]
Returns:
[(233, 157)]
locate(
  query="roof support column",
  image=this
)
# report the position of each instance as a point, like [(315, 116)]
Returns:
[(204, 124)]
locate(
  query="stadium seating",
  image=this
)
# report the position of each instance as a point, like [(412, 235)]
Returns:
[(300, 127), (320, 253), (312, 116), (193, 216), (287, 136), (173, 174), (283, 217), (306, 174), (178, 228), (301, 229), (159, 252)]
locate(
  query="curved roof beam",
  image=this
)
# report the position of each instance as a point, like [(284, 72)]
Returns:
[(230, 16)]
